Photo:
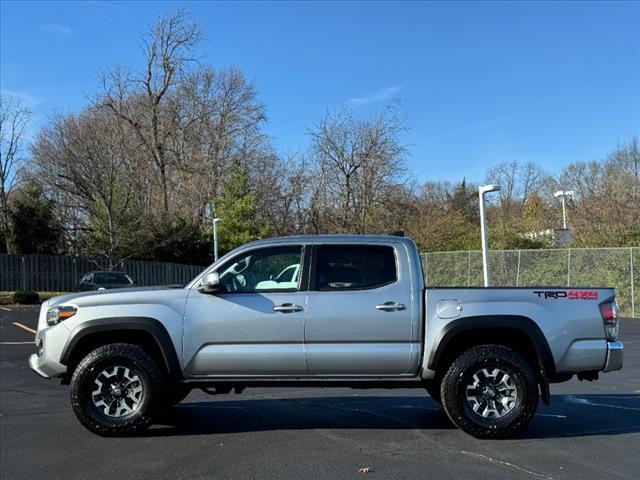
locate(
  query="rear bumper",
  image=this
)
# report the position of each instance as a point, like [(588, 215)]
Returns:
[(615, 354)]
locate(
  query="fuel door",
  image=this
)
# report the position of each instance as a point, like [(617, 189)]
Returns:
[(449, 308)]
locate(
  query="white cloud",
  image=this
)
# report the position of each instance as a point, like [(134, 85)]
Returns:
[(56, 28), (25, 97), (379, 96)]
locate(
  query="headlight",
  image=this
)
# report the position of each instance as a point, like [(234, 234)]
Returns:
[(62, 312)]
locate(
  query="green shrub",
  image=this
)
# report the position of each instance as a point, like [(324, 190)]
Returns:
[(26, 297)]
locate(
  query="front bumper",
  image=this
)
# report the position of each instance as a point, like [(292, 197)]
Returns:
[(44, 363), (33, 365), (615, 354)]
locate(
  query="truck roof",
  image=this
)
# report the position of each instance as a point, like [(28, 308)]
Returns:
[(336, 238)]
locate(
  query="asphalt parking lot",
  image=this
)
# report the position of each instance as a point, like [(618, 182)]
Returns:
[(591, 430)]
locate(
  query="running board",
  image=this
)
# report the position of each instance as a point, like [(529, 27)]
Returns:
[(364, 383)]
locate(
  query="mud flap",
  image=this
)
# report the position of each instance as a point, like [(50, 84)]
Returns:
[(545, 392)]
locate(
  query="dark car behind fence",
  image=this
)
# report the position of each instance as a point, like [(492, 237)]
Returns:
[(57, 273)]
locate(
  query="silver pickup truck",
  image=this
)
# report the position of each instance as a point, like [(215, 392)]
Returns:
[(347, 311)]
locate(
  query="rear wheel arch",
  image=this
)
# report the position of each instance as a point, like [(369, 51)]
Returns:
[(520, 333), (146, 332)]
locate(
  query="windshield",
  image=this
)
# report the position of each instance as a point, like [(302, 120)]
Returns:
[(111, 278)]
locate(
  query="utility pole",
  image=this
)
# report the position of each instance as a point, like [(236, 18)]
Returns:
[(210, 211), (483, 229), (215, 238), (563, 194)]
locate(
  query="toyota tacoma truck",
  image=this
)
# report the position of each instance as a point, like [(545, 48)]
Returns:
[(339, 311)]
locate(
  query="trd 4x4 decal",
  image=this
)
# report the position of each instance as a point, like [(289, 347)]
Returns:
[(571, 294)]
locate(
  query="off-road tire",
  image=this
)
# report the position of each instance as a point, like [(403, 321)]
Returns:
[(141, 364), (454, 391)]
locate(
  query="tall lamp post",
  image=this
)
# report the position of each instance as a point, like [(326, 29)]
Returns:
[(483, 229), (563, 194), (215, 238)]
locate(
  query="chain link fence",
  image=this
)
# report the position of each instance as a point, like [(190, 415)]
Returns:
[(575, 267)]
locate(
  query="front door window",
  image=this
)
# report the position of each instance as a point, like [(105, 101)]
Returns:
[(275, 269)]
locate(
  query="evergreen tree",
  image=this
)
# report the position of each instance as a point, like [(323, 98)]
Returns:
[(35, 228), (116, 228), (236, 206), (174, 239), (464, 200)]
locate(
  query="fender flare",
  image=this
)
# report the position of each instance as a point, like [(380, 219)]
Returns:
[(546, 367), (148, 325)]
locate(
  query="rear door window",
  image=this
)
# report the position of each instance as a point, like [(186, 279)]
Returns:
[(354, 267)]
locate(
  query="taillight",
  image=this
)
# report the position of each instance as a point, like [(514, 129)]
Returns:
[(609, 312)]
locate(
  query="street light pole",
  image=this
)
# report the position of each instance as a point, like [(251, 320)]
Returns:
[(483, 229), (563, 194), (215, 238)]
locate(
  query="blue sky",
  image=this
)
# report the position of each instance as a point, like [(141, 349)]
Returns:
[(481, 83)]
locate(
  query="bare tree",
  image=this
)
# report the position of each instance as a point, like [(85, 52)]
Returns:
[(15, 115), (141, 99), (218, 122), (282, 188), (518, 183), (605, 209), (88, 162), (356, 160), (444, 216)]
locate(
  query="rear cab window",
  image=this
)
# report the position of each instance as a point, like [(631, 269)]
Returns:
[(354, 267)]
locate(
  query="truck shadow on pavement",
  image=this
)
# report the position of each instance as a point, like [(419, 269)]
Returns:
[(568, 415)]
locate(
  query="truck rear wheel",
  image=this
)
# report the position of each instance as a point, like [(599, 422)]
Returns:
[(490, 391), (116, 389)]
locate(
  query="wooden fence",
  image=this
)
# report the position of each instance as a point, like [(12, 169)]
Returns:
[(58, 273)]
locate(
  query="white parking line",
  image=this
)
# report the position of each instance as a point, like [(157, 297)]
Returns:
[(584, 401), (512, 466), (24, 327), (5, 309)]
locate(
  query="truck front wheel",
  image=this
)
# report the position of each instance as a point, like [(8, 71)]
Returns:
[(490, 391), (116, 389)]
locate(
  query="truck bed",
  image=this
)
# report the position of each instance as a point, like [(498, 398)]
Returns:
[(567, 317)]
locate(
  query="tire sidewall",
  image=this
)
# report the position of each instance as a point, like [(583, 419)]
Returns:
[(87, 383), (456, 379), (82, 385), (466, 378)]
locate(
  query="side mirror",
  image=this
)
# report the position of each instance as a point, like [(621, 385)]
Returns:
[(210, 283)]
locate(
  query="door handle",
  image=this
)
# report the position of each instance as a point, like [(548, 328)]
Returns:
[(287, 308), (390, 306)]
